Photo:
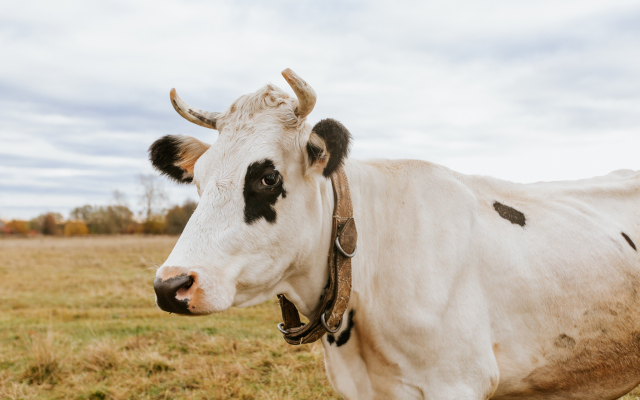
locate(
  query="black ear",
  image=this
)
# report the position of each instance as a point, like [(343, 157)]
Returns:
[(175, 156), (337, 141)]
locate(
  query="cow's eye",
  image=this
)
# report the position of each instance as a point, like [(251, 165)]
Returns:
[(271, 180)]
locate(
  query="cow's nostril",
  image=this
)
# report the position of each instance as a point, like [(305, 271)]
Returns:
[(183, 291), (188, 284), (168, 290)]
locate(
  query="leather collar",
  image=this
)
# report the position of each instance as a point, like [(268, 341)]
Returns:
[(335, 299)]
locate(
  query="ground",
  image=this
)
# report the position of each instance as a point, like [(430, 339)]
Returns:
[(78, 321)]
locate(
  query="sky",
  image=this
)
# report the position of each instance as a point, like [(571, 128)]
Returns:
[(523, 91)]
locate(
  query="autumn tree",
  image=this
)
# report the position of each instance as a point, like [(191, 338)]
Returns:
[(18, 226), (104, 219), (49, 226), (178, 216), (75, 228), (37, 223)]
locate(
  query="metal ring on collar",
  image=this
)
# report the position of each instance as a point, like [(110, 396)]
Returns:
[(324, 323), (344, 253), (281, 329)]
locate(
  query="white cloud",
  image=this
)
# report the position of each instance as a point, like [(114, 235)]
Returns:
[(521, 91)]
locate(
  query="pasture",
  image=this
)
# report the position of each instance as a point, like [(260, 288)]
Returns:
[(78, 321)]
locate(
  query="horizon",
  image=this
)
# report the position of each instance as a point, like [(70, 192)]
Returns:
[(521, 92)]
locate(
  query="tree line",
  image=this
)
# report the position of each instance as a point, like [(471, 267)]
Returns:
[(116, 218), (103, 220)]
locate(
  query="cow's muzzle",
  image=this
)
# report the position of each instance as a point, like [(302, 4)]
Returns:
[(173, 294)]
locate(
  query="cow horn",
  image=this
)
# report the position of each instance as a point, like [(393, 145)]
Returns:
[(198, 117), (305, 93)]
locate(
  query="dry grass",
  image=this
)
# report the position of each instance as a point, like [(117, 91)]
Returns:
[(78, 321), (45, 359)]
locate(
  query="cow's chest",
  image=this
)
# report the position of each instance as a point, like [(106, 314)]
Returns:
[(360, 368), (357, 372)]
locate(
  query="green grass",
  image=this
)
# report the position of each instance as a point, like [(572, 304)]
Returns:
[(79, 321)]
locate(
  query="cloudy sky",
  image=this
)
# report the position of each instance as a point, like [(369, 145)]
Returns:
[(524, 91)]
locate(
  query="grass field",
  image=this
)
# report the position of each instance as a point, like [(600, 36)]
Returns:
[(78, 321)]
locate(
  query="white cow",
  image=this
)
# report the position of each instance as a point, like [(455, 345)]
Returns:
[(464, 287)]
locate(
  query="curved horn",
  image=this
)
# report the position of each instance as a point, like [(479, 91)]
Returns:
[(198, 117), (305, 93)]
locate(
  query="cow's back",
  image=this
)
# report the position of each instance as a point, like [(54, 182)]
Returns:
[(561, 270)]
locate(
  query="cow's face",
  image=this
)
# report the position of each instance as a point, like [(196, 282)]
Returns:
[(262, 188)]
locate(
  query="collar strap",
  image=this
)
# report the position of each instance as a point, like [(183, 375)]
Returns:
[(335, 299)]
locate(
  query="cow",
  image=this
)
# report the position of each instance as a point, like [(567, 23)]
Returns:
[(462, 287)]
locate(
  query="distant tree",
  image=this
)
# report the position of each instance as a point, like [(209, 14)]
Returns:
[(37, 223), (4, 229), (177, 217), (18, 226), (119, 198), (49, 226), (104, 220), (82, 213), (134, 227), (154, 225), (75, 228), (153, 195), (117, 218)]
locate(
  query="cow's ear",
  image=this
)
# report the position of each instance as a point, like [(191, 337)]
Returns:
[(328, 146), (175, 156)]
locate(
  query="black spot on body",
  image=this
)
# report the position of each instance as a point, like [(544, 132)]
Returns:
[(564, 341), (164, 153), (345, 334), (510, 214), (628, 239), (337, 139), (259, 199)]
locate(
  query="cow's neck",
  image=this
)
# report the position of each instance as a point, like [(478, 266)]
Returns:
[(357, 360), (306, 285), (310, 274)]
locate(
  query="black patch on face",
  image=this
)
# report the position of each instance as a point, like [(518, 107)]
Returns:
[(259, 199), (628, 239), (164, 153), (345, 334), (337, 139), (510, 214)]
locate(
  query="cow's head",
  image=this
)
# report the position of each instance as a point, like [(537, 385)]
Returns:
[(261, 223)]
